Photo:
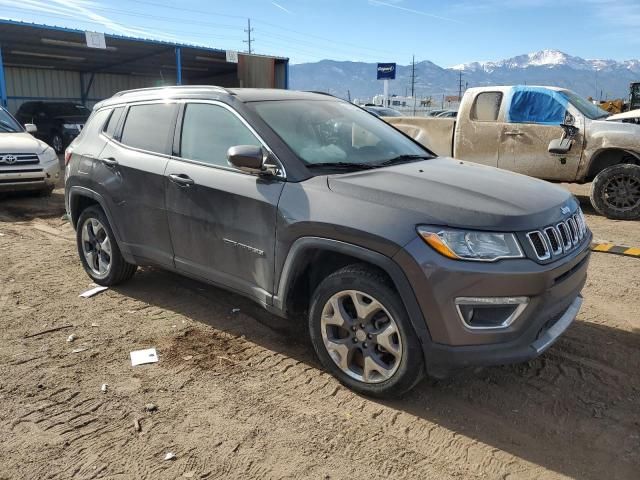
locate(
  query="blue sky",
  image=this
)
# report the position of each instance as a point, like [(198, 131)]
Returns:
[(445, 32)]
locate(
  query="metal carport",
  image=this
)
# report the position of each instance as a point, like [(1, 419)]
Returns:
[(40, 62)]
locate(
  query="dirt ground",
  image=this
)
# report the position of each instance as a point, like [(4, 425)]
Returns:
[(240, 395)]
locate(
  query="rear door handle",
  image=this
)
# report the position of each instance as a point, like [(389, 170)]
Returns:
[(181, 179), (110, 161), (513, 133)]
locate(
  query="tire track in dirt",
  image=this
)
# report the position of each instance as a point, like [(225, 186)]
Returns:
[(251, 401)]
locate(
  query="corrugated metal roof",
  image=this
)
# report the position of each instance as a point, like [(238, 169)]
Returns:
[(123, 37)]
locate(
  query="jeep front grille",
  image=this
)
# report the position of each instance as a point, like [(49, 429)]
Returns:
[(557, 240)]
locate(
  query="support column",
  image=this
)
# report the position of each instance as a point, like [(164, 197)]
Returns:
[(286, 75), (3, 84), (178, 66)]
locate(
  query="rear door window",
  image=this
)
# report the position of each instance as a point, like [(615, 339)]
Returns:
[(208, 131), (486, 107), (149, 127)]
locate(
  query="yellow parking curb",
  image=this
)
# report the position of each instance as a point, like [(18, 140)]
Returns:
[(616, 249)]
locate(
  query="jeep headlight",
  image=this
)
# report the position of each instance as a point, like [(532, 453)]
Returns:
[(470, 244)]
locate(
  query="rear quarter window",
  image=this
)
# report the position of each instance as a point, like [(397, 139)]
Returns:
[(95, 123), (112, 123), (486, 107), (149, 127)]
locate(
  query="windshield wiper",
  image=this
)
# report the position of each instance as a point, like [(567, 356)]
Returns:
[(402, 159), (342, 165)]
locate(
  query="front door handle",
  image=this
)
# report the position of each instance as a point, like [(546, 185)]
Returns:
[(181, 179), (110, 161), (513, 133)]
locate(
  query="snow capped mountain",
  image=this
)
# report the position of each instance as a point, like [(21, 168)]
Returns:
[(588, 77), (549, 59)]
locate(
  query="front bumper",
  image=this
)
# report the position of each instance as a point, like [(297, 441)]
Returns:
[(36, 177), (554, 301)]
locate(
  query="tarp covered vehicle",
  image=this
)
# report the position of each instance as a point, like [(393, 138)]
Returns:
[(544, 132)]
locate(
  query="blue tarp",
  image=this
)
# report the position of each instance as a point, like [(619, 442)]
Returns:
[(536, 105)]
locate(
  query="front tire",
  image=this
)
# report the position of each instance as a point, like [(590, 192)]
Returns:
[(615, 192), (361, 333), (99, 251)]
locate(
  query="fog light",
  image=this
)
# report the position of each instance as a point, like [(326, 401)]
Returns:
[(481, 313)]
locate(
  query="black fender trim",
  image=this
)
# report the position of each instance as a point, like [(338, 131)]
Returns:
[(301, 246), (75, 192)]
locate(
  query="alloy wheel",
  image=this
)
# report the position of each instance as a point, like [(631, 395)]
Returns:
[(622, 192), (361, 336), (96, 247), (57, 143)]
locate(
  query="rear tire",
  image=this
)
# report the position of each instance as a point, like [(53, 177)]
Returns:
[(615, 192), (99, 251), (361, 333)]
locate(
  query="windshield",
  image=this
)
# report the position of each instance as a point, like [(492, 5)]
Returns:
[(7, 123), (67, 109), (587, 108), (334, 132)]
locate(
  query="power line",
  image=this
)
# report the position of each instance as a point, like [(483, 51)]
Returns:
[(149, 30), (281, 28)]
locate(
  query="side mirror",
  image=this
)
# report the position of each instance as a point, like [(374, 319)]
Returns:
[(569, 120), (560, 146), (30, 128), (248, 158)]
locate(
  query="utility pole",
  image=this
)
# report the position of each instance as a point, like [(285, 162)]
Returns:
[(413, 77), (413, 83), (248, 30), (460, 86)]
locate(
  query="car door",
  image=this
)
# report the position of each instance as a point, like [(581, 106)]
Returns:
[(129, 173), (533, 119), (222, 220), (477, 138)]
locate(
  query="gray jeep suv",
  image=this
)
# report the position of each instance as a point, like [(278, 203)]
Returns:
[(403, 263)]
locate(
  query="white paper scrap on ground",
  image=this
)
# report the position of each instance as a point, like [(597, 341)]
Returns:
[(92, 292), (140, 357)]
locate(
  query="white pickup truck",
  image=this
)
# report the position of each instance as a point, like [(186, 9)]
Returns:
[(544, 132)]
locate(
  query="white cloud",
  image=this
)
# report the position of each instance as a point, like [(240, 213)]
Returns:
[(80, 10), (396, 5), (281, 7)]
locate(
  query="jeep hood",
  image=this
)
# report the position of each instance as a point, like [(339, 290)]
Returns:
[(459, 194), (20, 142)]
